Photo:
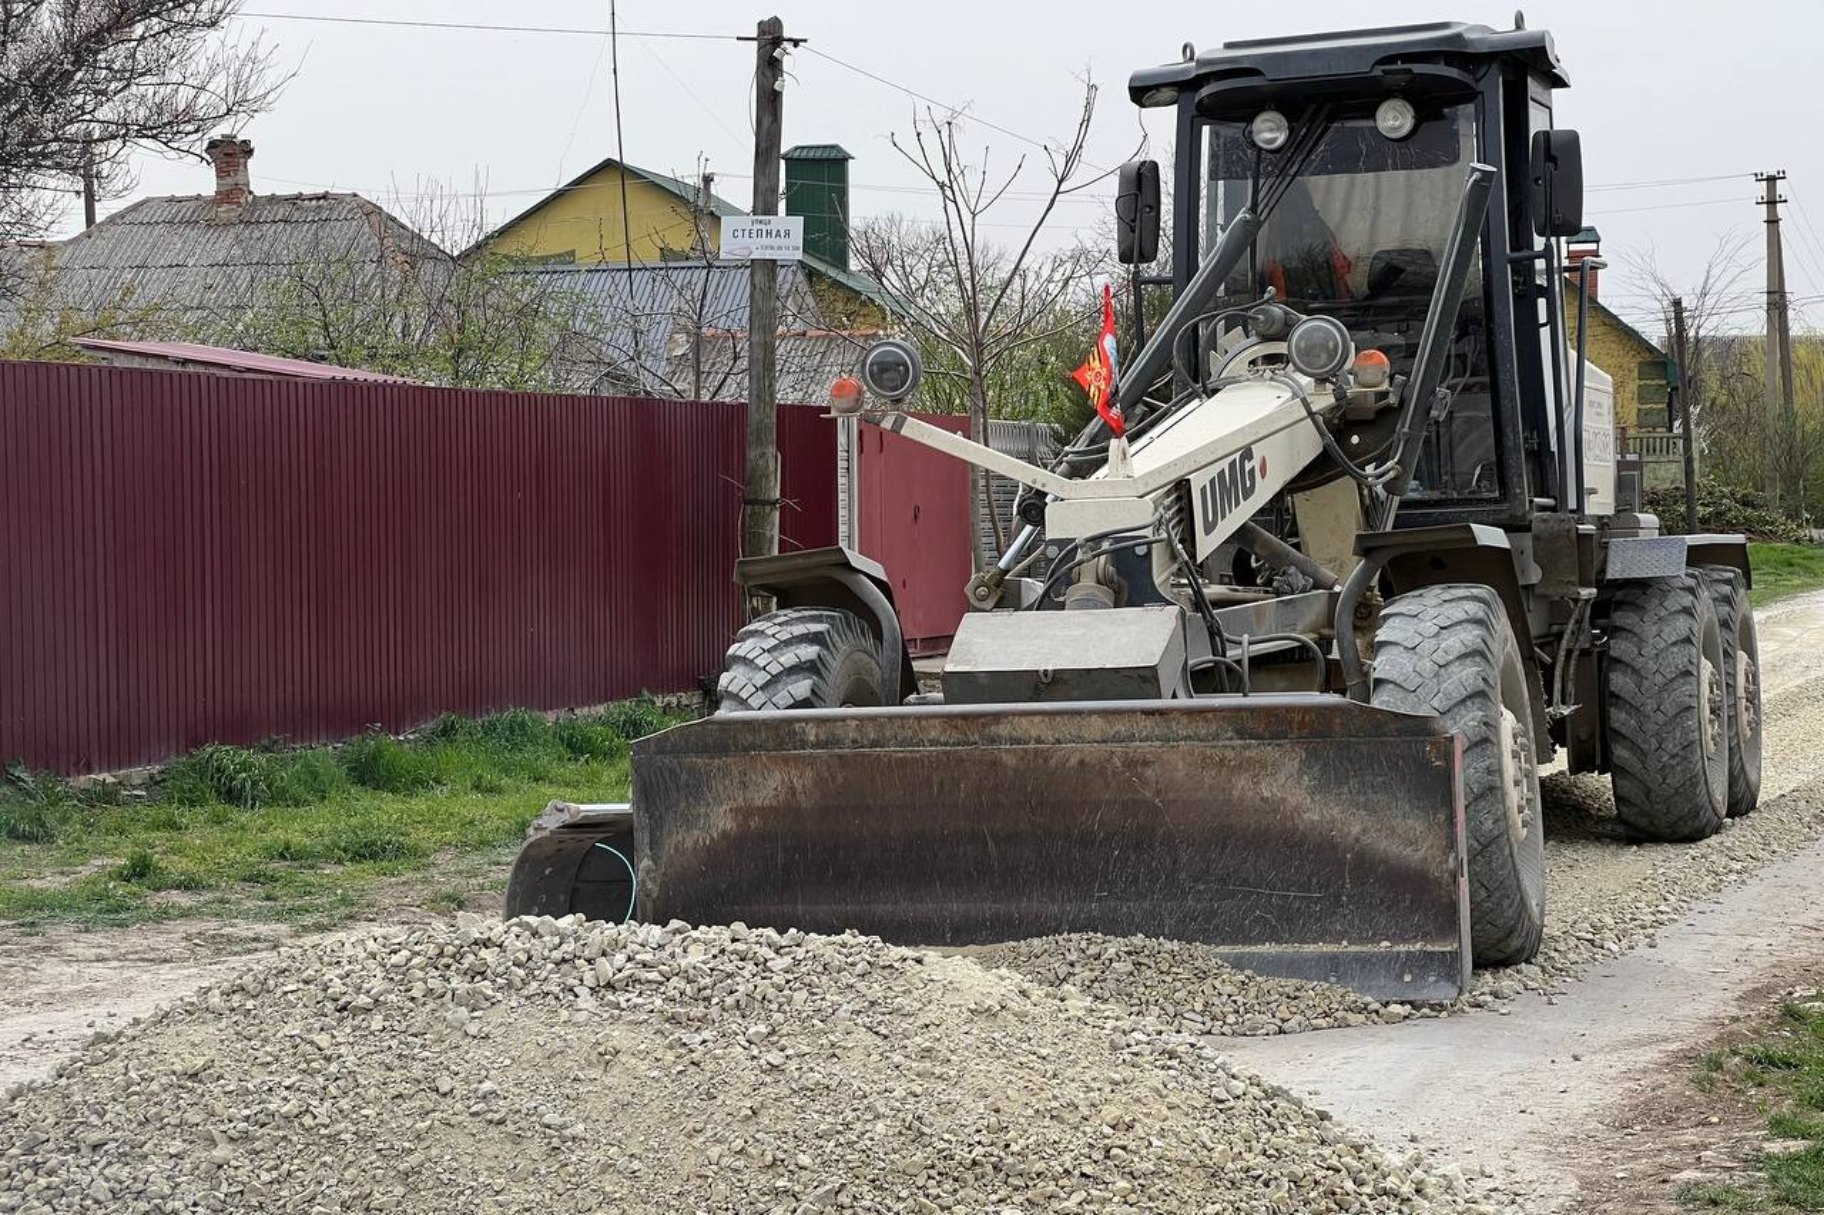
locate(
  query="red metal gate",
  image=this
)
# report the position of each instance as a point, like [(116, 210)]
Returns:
[(913, 515)]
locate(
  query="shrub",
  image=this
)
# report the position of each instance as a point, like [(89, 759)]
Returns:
[(140, 868), (304, 778), (591, 737), (380, 762), (1726, 508), (358, 842), (453, 728), (236, 776), (635, 719), (34, 807)]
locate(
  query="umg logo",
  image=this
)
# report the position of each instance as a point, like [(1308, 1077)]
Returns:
[(1231, 487)]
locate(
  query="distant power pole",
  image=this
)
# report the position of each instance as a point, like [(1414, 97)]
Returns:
[(88, 185), (1782, 415), (760, 501), (1687, 397)]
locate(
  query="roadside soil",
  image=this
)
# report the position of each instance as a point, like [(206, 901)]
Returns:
[(1672, 1133), (59, 986)]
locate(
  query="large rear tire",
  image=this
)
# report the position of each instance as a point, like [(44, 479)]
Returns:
[(1668, 736), (802, 658), (1449, 650), (1741, 684)]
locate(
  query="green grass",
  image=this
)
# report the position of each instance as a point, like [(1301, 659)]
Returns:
[(1783, 1070), (1784, 569), (305, 836)]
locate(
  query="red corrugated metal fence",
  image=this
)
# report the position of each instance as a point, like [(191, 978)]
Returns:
[(188, 558), (914, 520)]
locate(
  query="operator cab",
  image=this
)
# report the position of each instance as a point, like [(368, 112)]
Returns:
[(1352, 150)]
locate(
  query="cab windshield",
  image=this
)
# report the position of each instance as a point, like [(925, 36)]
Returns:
[(1360, 234)]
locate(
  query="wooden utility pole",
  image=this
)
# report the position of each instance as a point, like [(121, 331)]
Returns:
[(1781, 413), (88, 185), (760, 500), (1687, 397)]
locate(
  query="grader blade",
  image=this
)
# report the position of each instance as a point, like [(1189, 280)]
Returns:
[(1304, 836)]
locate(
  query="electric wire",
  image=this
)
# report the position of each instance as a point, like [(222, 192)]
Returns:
[(633, 897), (485, 27)]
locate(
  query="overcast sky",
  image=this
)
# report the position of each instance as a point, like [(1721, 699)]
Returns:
[(1676, 90)]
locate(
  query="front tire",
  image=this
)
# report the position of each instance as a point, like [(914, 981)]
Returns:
[(1449, 650), (1741, 685), (802, 658), (1668, 736)]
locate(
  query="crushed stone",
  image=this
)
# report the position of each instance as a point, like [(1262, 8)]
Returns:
[(1181, 986), (560, 1066)]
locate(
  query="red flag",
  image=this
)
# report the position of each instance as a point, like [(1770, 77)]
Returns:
[(1097, 375)]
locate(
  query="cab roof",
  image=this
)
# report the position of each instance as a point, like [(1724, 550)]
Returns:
[(1349, 53)]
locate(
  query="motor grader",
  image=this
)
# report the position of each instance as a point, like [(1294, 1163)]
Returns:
[(1287, 632)]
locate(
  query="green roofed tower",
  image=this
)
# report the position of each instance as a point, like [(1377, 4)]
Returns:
[(817, 187)]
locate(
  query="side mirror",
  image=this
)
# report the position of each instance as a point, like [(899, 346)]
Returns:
[(1137, 213), (1556, 179)]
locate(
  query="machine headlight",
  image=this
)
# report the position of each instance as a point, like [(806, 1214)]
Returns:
[(891, 369), (1320, 347), (1165, 94), (1394, 118), (1269, 130)]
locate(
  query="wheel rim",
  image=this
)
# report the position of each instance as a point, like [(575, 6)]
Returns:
[(1710, 701), (1516, 767), (1747, 698)]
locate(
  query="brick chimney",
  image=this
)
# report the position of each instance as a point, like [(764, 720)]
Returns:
[(230, 154), (1587, 243)]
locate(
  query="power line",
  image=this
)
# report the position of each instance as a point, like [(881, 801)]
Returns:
[(1811, 253), (580, 31), (1702, 202), (1666, 181), (496, 29), (927, 99)]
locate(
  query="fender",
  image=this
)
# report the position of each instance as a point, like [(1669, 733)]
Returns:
[(837, 577), (1634, 558)]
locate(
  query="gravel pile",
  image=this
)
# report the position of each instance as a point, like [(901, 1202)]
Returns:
[(618, 1070), (1179, 985)]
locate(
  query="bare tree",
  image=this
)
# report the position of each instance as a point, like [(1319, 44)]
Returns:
[(967, 296), (389, 298), (84, 82), (1707, 303)]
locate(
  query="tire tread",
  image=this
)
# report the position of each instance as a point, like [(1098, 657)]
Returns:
[(1439, 650)]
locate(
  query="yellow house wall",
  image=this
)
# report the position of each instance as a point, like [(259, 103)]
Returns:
[(1619, 353), (586, 221)]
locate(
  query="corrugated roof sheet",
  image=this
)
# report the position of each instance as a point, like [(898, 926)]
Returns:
[(638, 324), (181, 353), (816, 151), (187, 254)]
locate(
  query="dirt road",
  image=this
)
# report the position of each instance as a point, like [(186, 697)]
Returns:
[(1526, 1090)]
